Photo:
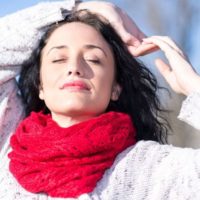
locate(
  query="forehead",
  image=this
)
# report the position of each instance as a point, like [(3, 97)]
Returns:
[(76, 32), (76, 36)]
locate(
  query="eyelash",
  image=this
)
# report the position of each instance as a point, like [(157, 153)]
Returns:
[(59, 60), (94, 61), (64, 59)]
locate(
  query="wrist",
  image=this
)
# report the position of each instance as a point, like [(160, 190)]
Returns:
[(194, 85)]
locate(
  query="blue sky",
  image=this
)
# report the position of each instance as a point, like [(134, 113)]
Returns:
[(10, 6)]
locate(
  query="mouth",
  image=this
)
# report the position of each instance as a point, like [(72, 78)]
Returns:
[(76, 85)]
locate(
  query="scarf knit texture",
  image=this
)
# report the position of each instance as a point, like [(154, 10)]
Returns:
[(67, 162)]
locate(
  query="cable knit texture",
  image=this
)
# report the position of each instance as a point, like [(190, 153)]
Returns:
[(144, 171), (188, 113), (67, 162)]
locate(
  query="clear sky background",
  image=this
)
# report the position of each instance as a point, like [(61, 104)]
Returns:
[(9, 6)]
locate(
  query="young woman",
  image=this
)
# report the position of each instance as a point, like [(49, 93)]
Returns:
[(21, 31), (93, 102)]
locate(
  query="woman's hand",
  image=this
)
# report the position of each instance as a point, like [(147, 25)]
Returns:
[(123, 24), (179, 73)]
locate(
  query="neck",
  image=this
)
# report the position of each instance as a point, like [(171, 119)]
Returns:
[(69, 120)]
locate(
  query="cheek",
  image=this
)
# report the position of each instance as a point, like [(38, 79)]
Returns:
[(48, 77), (104, 82)]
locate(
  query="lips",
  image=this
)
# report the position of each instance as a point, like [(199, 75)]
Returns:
[(76, 85)]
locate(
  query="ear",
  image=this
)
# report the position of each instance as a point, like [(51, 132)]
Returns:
[(41, 93), (116, 92)]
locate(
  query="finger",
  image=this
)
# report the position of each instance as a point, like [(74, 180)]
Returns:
[(167, 46), (129, 39), (163, 68), (167, 74), (131, 27), (142, 49), (126, 36), (169, 51), (176, 61), (170, 42)]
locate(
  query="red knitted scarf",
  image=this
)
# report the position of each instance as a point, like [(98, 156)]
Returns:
[(67, 162)]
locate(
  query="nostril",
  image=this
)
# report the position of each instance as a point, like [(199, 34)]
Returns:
[(74, 72)]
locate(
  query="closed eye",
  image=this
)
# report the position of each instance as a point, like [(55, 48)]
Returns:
[(59, 60), (95, 61)]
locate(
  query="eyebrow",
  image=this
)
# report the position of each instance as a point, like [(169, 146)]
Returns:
[(87, 46), (57, 47), (91, 46)]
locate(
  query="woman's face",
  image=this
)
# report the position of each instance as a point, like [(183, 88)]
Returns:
[(77, 74)]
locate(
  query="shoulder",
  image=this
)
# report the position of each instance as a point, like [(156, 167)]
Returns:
[(152, 153), (140, 170), (143, 154)]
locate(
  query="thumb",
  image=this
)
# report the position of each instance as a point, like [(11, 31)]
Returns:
[(127, 37), (165, 70)]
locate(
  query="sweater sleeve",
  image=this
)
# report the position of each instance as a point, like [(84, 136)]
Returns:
[(18, 34), (21, 30), (190, 110), (149, 171)]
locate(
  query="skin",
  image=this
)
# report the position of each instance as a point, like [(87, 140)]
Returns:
[(123, 24), (77, 74), (178, 73)]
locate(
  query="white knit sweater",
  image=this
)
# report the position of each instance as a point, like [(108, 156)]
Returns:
[(147, 170)]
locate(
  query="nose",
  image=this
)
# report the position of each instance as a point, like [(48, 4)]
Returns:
[(75, 68), (73, 72)]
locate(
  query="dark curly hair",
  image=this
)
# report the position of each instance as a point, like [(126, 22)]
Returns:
[(138, 97)]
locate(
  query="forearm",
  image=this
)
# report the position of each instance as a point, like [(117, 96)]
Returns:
[(21, 30)]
